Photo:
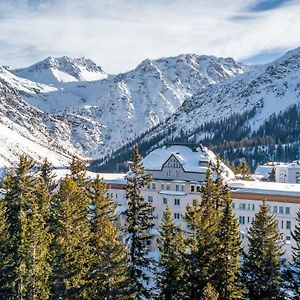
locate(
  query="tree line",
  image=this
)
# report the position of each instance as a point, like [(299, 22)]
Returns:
[(64, 240)]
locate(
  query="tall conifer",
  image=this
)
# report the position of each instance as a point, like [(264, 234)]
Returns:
[(228, 277), (138, 225), (262, 265), (108, 253), (171, 246)]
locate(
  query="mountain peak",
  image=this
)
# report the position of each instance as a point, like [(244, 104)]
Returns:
[(54, 70)]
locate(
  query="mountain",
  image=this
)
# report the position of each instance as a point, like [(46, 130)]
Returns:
[(56, 70), (103, 115), (216, 101), (234, 116)]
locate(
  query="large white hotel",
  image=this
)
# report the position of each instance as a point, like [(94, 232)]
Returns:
[(179, 171)]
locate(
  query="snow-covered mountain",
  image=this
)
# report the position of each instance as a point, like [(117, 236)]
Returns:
[(95, 118), (55, 70), (102, 115)]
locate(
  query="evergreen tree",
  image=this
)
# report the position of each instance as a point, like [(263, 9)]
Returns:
[(171, 246), (139, 222), (245, 171), (263, 262), (202, 243), (6, 262), (72, 238), (294, 271), (227, 281), (272, 175), (108, 253), (209, 293), (19, 185), (35, 246)]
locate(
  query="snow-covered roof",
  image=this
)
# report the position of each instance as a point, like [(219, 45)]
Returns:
[(188, 158), (269, 188), (264, 170), (117, 178)]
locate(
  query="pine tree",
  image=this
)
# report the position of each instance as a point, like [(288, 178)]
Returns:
[(6, 262), (262, 264), (245, 171), (272, 177), (35, 246), (109, 255), (19, 185), (209, 293), (139, 222), (171, 246), (72, 238), (227, 281), (294, 271), (202, 243)]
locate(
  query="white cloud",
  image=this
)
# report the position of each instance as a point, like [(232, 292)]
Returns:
[(118, 34)]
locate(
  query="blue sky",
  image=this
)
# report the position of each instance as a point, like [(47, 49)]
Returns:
[(118, 34)]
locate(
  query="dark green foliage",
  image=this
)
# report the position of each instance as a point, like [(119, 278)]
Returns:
[(108, 253), (6, 262), (209, 293), (262, 266), (139, 222), (293, 276), (202, 244), (244, 171), (272, 175), (71, 249), (228, 281), (171, 246)]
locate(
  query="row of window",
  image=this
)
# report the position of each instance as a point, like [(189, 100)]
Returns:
[(243, 219), (244, 206), (165, 200), (166, 187)]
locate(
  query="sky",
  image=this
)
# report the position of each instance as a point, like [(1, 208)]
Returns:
[(119, 34)]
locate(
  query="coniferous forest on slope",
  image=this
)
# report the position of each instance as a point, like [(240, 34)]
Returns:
[(64, 240), (277, 139)]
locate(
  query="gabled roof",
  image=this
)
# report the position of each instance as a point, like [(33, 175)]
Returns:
[(188, 158)]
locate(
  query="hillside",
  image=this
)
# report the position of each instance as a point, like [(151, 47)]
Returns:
[(100, 116), (233, 117)]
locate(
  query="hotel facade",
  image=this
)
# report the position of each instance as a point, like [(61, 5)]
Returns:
[(179, 172)]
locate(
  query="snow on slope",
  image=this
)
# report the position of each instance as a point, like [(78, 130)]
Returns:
[(270, 88), (56, 70), (106, 114)]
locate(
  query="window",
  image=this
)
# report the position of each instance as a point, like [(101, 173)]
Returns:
[(282, 225), (288, 238), (165, 200), (176, 201), (287, 210), (288, 224), (116, 196), (177, 187), (168, 173), (281, 209), (248, 219), (177, 173), (198, 188), (182, 187), (148, 243), (192, 188), (242, 206), (150, 198), (275, 209), (233, 205), (162, 186), (242, 220), (168, 186), (148, 186), (176, 216), (153, 186)]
